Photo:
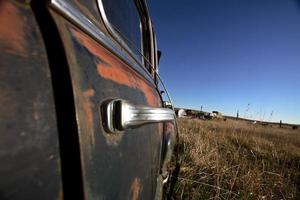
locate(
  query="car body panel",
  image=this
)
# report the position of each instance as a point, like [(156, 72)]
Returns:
[(115, 166), (29, 146)]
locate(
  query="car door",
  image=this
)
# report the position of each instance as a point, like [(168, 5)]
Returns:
[(110, 53), (30, 161)]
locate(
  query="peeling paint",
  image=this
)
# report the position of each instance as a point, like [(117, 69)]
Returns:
[(89, 93), (37, 106), (12, 29), (113, 69), (136, 188), (88, 113), (36, 116)]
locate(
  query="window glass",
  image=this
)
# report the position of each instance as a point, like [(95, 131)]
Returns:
[(124, 18)]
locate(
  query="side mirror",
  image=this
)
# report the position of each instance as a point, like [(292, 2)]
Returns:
[(158, 56)]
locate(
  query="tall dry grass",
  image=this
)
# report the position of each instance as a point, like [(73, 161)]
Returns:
[(237, 160)]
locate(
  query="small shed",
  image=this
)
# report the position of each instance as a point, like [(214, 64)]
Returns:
[(181, 113)]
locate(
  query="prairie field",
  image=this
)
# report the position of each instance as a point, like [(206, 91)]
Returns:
[(237, 160)]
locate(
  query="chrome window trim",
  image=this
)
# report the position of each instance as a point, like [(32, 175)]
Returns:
[(152, 46), (142, 44), (117, 36), (72, 14), (155, 51)]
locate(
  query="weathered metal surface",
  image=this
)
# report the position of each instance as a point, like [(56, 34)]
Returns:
[(115, 166), (91, 10), (111, 68), (135, 189), (29, 153)]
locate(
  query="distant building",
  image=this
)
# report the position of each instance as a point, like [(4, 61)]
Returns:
[(181, 113), (216, 114)]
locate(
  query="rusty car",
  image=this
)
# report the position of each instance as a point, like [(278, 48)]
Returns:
[(82, 114)]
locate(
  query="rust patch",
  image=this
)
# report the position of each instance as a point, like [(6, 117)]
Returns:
[(60, 194), (88, 113), (136, 188), (12, 29), (89, 93), (36, 116), (115, 70), (37, 106)]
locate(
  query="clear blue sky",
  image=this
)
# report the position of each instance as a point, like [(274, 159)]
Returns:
[(225, 55)]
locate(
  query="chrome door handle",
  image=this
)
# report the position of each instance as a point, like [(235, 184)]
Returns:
[(120, 115)]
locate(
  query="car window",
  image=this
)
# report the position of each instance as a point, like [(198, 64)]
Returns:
[(124, 19)]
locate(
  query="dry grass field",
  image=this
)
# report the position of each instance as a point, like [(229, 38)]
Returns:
[(237, 160)]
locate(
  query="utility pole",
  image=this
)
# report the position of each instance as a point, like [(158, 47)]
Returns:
[(280, 123)]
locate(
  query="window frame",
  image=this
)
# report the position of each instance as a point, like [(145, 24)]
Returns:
[(147, 43)]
